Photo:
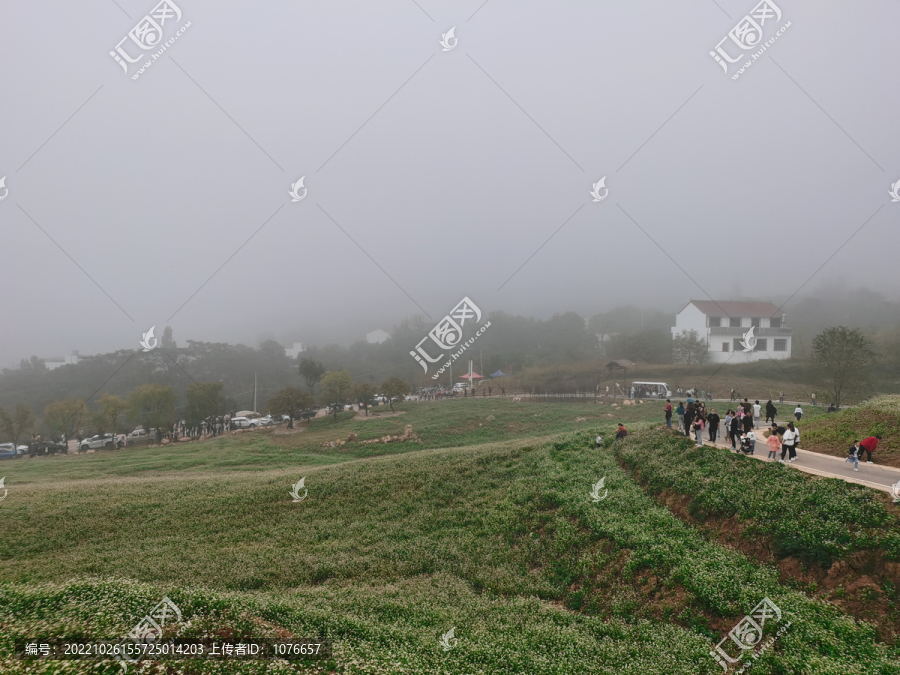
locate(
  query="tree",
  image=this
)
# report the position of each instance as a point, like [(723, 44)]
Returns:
[(112, 410), (203, 400), (365, 394), (19, 422), (840, 359), (337, 385), (393, 388), (311, 371), (153, 405), (66, 417), (167, 341), (290, 401), (688, 347)]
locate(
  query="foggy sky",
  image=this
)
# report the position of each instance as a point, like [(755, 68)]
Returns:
[(467, 169)]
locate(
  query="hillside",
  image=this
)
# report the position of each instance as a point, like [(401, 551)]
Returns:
[(499, 540), (835, 432)]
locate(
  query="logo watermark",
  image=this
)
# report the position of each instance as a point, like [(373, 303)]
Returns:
[(749, 341), (895, 491), (748, 34), (295, 492), (148, 34), (595, 493), (895, 191), (147, 630), (145, 342), (446, 40), (447, 334), (747, 636), (6, 189), (295, 190), (448, 641), (595, 193), (5, 491)]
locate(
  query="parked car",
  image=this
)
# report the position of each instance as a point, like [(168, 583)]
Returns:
[(42, 448), (265, 421), (140, 437), (306, 414), (101, 441), (244, 423), (8, 451)]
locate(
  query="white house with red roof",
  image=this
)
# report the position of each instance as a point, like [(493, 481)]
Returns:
[(725, 327)]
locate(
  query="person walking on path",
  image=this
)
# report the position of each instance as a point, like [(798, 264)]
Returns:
[(853, 455), (787, 444), (798, 412), (746, 407), (735, 430), (774, 443), (869, 444), (728, 414), (680, 412), (712, 423), (771, 411), (668, 413), (757, 412), (781, 398), (747, 422)]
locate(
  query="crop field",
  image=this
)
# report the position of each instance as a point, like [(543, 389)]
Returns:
[(485, 524)]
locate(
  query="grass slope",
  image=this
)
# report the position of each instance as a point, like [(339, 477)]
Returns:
[(388, 553), (835, 432), (438, 424)]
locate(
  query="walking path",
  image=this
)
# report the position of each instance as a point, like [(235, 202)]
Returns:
[(871, 475)]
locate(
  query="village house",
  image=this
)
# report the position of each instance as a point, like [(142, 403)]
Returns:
[(723, 325)]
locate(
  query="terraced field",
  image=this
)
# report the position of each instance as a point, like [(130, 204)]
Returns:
[(496, 536)]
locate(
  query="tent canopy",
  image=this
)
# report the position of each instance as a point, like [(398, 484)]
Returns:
[(499, 373), (475, 376)]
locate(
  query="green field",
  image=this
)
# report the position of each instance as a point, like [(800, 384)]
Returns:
[(484, 526)]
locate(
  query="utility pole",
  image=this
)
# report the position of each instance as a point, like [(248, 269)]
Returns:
[(254, 392)]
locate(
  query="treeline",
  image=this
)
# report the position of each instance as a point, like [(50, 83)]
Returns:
[(513, 345), (156, 406)]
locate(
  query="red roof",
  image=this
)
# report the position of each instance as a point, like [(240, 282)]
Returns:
[(735, 308)]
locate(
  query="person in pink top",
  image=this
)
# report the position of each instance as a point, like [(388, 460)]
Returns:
[(774, 445)]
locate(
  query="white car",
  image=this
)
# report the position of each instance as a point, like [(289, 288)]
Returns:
[(101, 441), (266, 421), (245, 422)]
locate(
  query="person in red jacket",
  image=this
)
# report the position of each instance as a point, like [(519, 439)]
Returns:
[(869, 446)]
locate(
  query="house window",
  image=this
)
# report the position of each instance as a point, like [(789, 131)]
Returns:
[(780, 345), (775, 322), (715, 321), (737, 344), (724, 346), (735, 322), (762, 345), (754, 321)]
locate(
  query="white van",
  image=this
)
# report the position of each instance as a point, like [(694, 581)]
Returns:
[(651, 390)]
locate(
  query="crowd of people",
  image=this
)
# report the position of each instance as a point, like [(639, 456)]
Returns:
[(739, 424)]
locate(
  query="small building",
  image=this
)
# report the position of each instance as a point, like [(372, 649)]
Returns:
[(723, 325), (54, 362), (296, 350), (377, 336)]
